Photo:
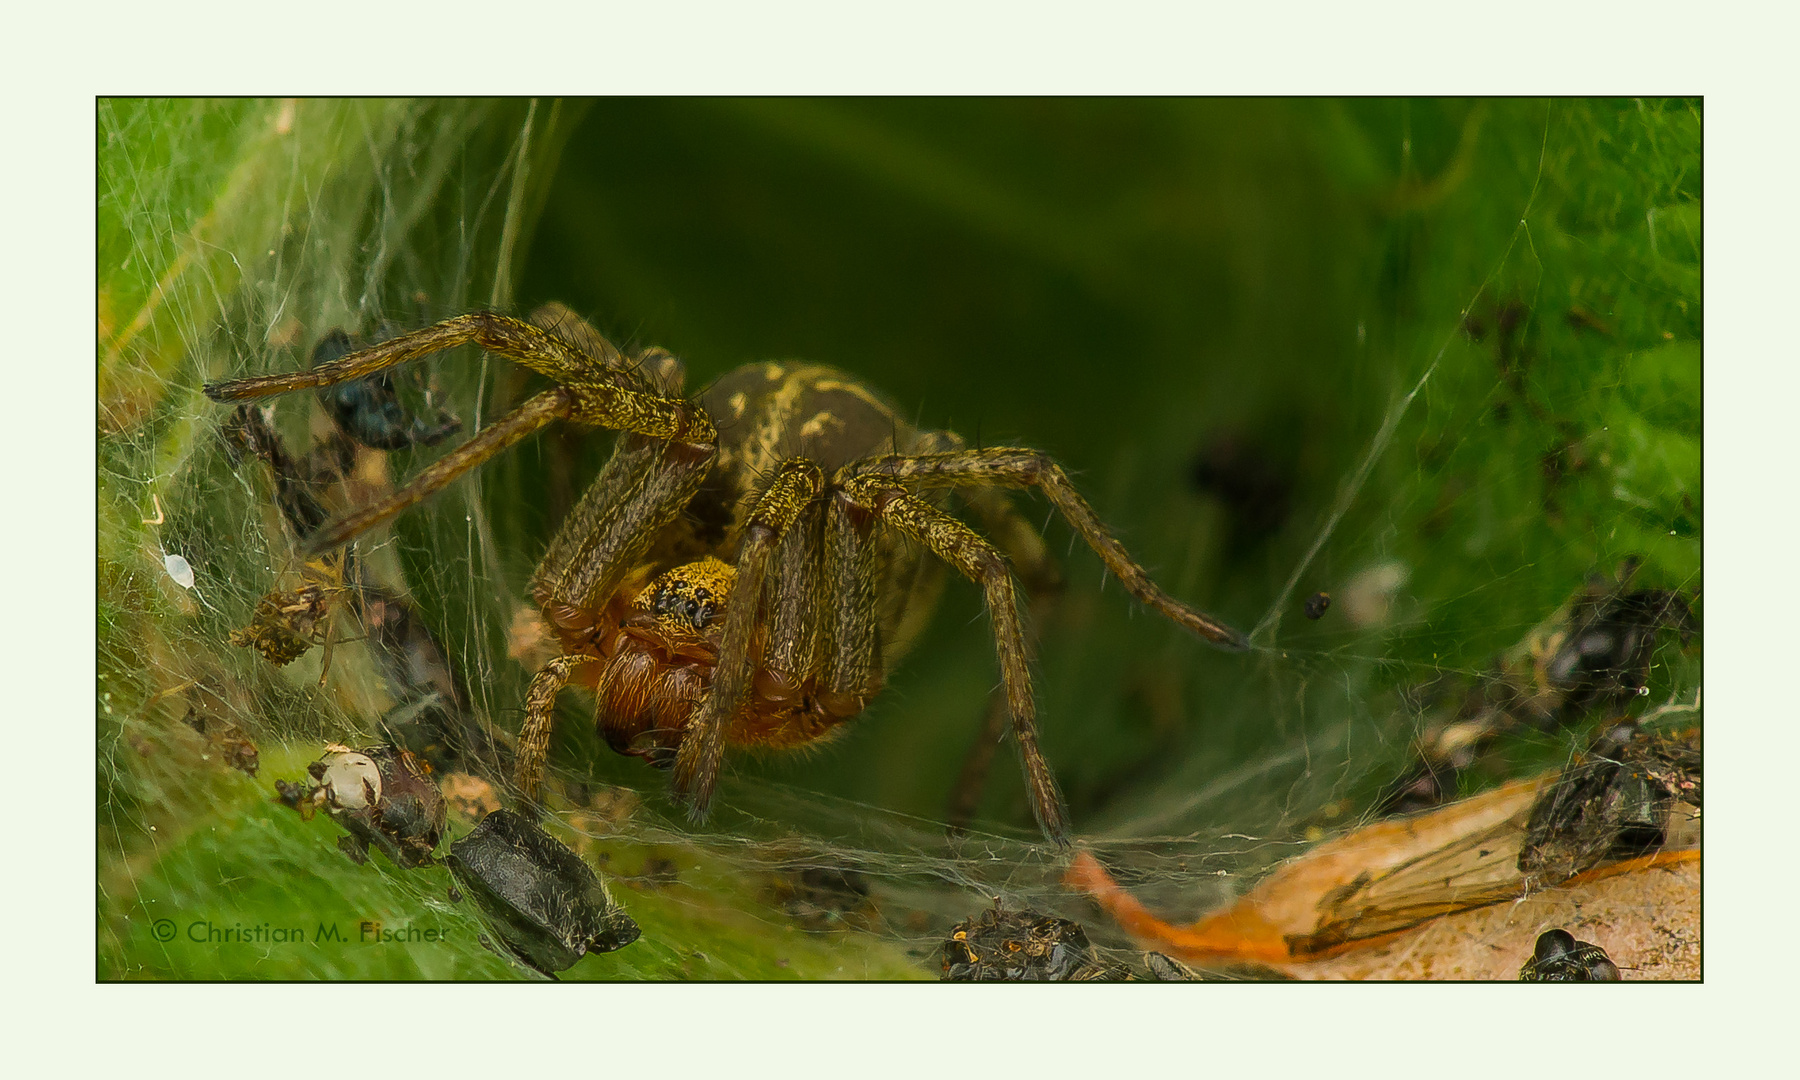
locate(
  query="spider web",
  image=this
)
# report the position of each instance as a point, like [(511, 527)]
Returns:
[(1437, 359)]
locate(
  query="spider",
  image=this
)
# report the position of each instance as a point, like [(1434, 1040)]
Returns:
[(740, 572)]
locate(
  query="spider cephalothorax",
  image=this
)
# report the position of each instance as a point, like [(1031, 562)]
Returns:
[(750, 562), (657, 658)]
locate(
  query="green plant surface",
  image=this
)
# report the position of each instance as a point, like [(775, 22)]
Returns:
[(256, 893)]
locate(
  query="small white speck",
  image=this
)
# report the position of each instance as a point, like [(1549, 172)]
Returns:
[(179, 569)]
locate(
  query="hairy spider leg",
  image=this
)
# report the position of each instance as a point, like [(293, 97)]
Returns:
[(1020, 468), (595, 391), (852, 653), (665, 373), (536, 348), (982, 563), (789, 491), (1040, 574), (1042, 578), (1003, 524), (795, 642), (539, 412), (643, 487), (540, 712)]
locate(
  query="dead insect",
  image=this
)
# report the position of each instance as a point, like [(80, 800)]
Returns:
[(369, 410), (1603, 657), (1614, 801), (1558, 957), (226, 737), (1593, 652), (740, 573), (1021, 946), (542, 901), (288, 622), (380, 796), (1316, 605), (433, 718)]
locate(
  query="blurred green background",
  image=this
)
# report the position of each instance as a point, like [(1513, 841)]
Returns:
[(1473, 327)]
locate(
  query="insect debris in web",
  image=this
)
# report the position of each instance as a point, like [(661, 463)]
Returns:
[(545, 905), (1021, 946), (1590, 656), (1558, 957), (371, 411), (1622, 797), (380, 796), (431, 716)]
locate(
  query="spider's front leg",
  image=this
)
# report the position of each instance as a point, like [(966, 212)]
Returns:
[(597, 388), (794, 486), (644, 487), (540, 711)]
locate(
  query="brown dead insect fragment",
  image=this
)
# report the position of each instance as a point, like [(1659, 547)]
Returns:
[(1615, 801), (284, 624), (206, 715), (239, 752), (380, 796)]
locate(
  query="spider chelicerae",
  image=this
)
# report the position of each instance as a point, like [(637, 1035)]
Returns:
[(739, 572)]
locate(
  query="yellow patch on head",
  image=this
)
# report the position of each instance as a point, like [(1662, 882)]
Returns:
[(690, 598)]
